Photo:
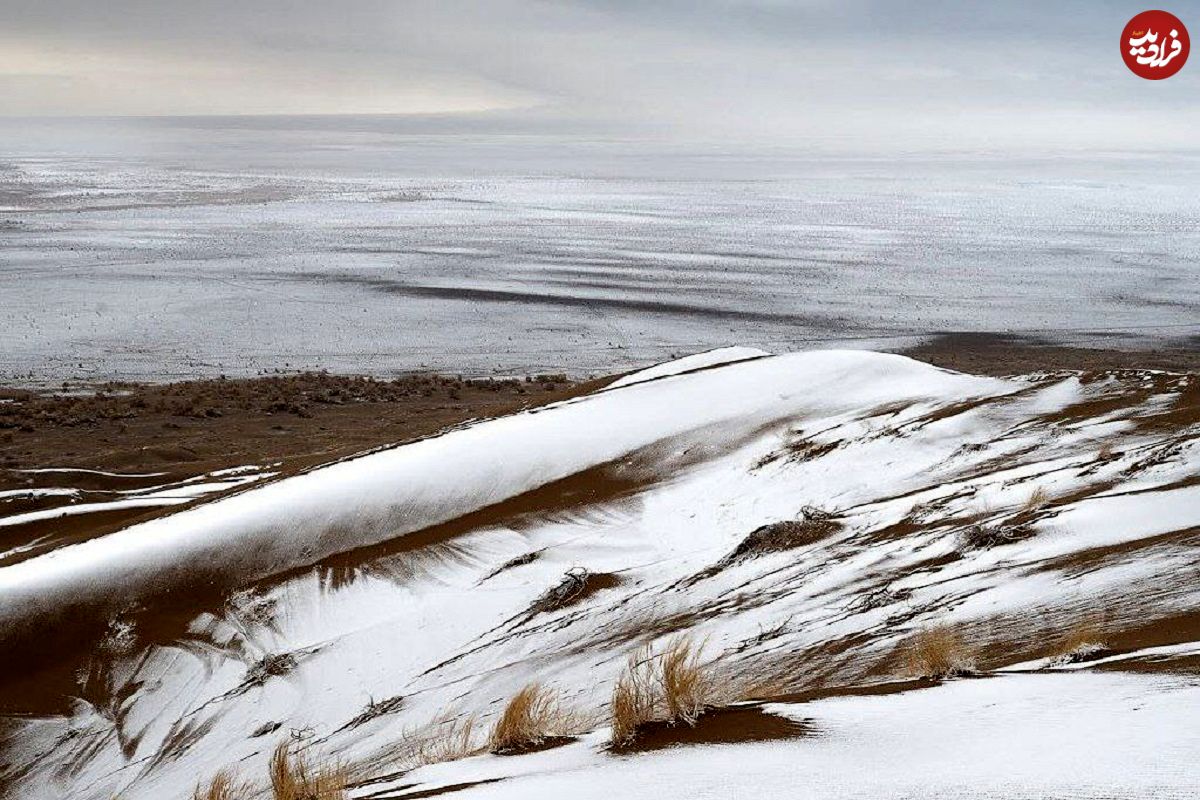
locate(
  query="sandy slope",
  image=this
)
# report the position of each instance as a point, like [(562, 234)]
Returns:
[(410, 574)]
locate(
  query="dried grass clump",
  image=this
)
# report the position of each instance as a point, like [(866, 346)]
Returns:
[(939, 652), (1037, 500), (530, 718), (223, 786), (1082, 642), (446, 739), (293, 778), (671, 687), (634, 698), (686, 689)]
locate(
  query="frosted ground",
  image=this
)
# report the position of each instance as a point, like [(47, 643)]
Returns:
[(191, 248), (370, 603)]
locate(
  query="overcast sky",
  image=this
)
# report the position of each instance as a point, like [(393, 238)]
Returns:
[(936, 72)]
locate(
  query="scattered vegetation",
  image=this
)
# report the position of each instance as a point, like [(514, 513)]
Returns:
[(671, 687), (532, 718), (1036, 501), (685, 687), (995, 529), (813, 525), (269, 666), (799, 448), (1083, 642), (634, 697), (223, 786), (512, 563), (939, 652), (446, 739), (981, 536), (575, 584), (376, 708), (296, 394), (568, 589), (293, 778)]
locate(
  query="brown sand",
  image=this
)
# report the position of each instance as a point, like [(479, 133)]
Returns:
[(188, 429), (197, 426), (1003, 354)]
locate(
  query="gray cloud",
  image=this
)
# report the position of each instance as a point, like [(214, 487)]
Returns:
[(914, 73)]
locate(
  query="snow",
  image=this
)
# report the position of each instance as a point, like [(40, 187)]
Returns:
[(907, 454), (407, 488), (23, 494), (709, 358), (1099, 735), (146, 497), (89, 508)]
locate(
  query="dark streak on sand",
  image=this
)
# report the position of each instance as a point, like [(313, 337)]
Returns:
[(810, 322)]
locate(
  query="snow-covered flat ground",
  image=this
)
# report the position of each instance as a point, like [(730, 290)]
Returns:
[(168, 249), (1044, 736), (363, 605)]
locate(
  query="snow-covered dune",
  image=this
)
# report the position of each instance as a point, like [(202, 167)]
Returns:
[(362, 501), (370, 603)]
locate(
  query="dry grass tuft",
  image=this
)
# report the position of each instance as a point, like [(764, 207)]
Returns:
[(446, 739), (939, 652), (293, 778), (223, 786), (530, 718), (1037, 500), (671, 687), (1082, 642), (686, 689), (634, 697)]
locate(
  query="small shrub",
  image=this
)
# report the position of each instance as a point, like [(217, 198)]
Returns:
[(272, 665), (528, 720), (939, 652), (375, 709), (562, 594), (984, 537), (293, 778), (223, 786), (814, 525)]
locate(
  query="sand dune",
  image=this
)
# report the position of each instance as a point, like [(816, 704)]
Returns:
[(365, 608)]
